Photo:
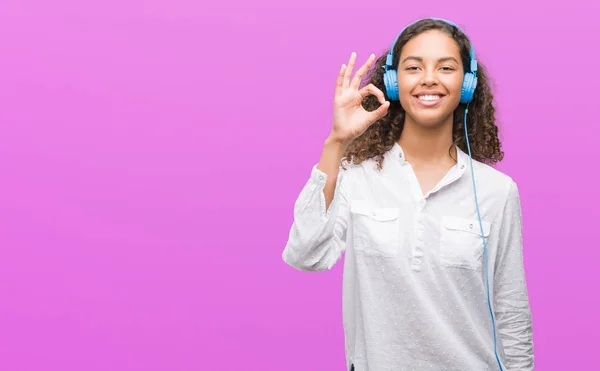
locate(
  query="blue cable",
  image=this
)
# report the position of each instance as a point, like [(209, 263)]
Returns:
[(482, 238)]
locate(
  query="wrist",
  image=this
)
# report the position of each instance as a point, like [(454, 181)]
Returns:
[(336, 143)]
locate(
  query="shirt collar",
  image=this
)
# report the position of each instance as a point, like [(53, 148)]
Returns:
[(397, 154)]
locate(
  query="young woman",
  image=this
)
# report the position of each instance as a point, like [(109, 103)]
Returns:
[(433, 268)]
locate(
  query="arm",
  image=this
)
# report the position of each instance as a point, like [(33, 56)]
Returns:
[(317, 236), (512, 308)]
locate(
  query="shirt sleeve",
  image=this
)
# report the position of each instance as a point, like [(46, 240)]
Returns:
[(512, 307), (317, 235)]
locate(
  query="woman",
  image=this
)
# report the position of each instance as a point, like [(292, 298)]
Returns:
[(433, 268)]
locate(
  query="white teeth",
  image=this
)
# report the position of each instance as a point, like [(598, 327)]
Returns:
[(429, 97)]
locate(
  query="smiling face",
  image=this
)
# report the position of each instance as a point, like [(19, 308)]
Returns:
[(430, 76)]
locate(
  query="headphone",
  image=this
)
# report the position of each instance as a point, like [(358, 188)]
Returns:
[(390, 79), (390, 76)]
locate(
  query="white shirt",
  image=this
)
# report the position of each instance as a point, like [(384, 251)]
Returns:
[(414, 292)]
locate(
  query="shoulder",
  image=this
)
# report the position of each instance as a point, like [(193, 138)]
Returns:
[(367, 168), (495, 181)]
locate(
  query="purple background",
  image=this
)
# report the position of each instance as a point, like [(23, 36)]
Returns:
[(151, 153)]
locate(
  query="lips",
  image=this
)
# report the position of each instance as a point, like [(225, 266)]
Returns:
[(429, 99), (429, 92)]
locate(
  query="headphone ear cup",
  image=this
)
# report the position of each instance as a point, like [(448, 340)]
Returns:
[(390, 81), (468, 87)]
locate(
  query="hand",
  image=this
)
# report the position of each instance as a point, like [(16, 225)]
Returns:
[(350, 119)]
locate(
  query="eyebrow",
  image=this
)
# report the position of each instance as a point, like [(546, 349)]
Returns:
[(420, 59)]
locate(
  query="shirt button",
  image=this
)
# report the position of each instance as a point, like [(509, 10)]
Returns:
[(462, 166)]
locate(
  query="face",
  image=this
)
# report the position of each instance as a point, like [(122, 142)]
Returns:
[(430, 77)]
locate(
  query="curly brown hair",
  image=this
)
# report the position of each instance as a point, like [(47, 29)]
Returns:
[(481, 122)]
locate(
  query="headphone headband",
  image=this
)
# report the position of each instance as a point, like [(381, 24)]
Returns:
[(390, 56)]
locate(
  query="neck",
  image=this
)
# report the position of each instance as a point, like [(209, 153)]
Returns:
[(427, 144)]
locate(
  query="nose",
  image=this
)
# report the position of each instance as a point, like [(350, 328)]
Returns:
[(429, 77)]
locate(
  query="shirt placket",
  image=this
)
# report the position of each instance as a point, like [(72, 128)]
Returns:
[(421, 202)]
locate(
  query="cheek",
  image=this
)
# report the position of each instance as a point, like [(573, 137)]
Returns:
[(407, 83), (453, 83)]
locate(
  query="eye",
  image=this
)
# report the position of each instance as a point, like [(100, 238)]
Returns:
[(413, 68), (448, 68)]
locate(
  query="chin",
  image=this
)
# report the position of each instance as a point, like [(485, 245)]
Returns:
[(430, 120)]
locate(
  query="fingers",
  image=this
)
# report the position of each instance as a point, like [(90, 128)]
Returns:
[(385, 104), (349, 69), (362, 71), (340, 80), (345, 73), (372, 90), (374, 116), (377, 114), (381, 111)]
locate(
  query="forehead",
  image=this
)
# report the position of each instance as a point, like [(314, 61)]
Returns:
[(432, 43)]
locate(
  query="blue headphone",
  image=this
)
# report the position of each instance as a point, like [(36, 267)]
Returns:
[(390, 77)]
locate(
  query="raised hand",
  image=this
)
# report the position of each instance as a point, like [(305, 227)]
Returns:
[(350, 119)]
